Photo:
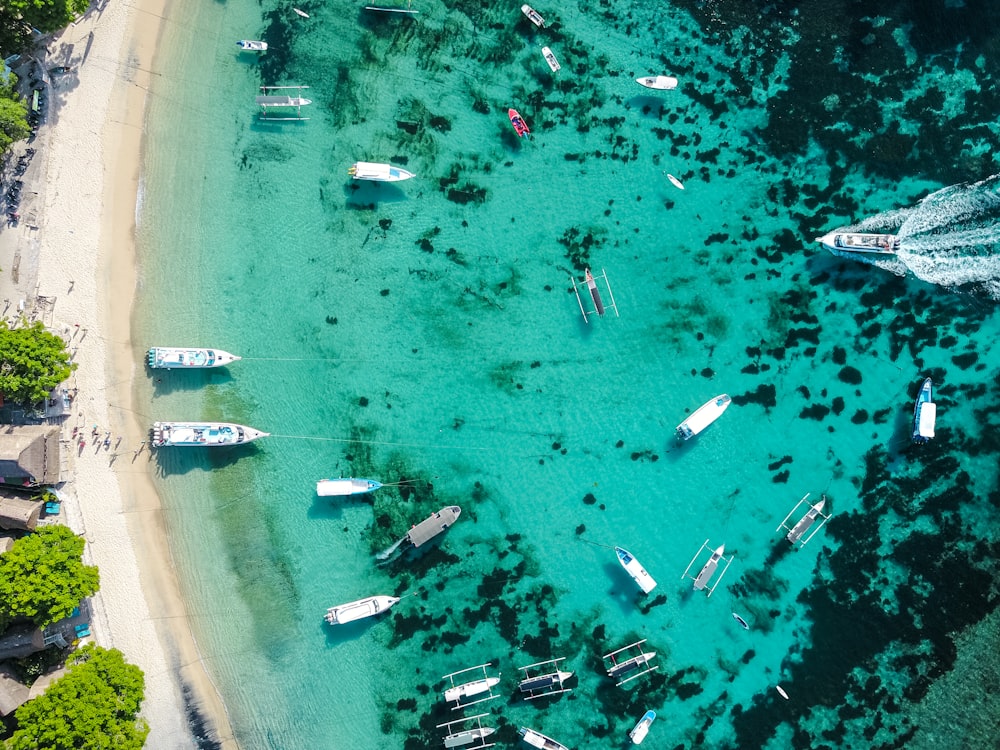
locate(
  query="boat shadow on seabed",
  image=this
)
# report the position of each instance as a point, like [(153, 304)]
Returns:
[(363, 196), (175, 461)]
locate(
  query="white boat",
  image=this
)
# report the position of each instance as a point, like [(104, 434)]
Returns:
[(709, 568), (537, 739), (860, 242), (640, 730), (202, 434), (533, 16), (703, 417), (551, 59), (367, 170), (796, 533), (360, 609), (543, 683), (345, 486), (469, 689), (169, 357), (924, 413), (634, 569), (661, 83), (252, 45), (675, 182), (468, 736), (301, 12)]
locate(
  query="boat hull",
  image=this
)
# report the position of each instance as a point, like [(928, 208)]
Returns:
[(533, 16), (551, 59), (377, 172), (182, 358), (859, 243), (202, 434), (659, 83), (924, 413), (703, 417), (470, 689), (632, 566), (345, 487), (641, 729), (520, 126), (359, 610), (251, 45), (537, 739)]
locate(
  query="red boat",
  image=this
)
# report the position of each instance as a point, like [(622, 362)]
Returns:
[(518, 122)]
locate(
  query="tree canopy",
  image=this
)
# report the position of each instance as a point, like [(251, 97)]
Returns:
[(13, 121), (43, 577), (32, 363), (19, 17), (92, 707)]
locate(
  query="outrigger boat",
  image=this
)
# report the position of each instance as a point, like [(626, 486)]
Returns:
[(520, 127), (640, 730), (385, 9), (345, 486), (590, 282), (661, 83), (703, 417), (860, 242), (251, 45), (464, 737), (533, 16), (634, 569), (540, 685), (458, 693), (796, 532), (537, 739), (360, 609), (551, 59), (202, 434), (709, 568), (638, 661), (367, 170), (170, 357), (268, 101), (924, 413)]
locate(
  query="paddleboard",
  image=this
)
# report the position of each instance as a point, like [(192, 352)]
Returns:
[(781, 692), (677, 183), (301, 12)]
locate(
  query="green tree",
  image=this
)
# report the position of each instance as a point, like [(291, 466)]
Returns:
[(13, 122), (43, 577), (32, 363), (19, 17), (92, 707)]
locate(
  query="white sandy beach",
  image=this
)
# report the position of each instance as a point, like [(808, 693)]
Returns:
[(72, 261)]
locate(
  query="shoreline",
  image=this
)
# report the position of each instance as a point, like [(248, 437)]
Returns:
[(79, 252)]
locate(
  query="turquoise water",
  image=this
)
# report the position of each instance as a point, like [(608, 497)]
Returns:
[(427, 332)]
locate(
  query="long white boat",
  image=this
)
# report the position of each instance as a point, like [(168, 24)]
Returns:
[(252, 45), (345, 486), (550, 58), (661, 83), (360, 609), (468, 689), (180, 357), (634, 569), (537, 739), (368, 170), (202, 434), (861, 243), (641, 729), (703, 417), (533, 16), (924, 413)]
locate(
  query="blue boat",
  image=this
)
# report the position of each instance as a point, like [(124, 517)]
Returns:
[(640, 730), (924, 413)]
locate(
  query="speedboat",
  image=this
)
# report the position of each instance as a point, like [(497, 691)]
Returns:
[(640, 730), (634, 569), (345, 486), (661, 83), (202, 434), (533, 16), (520, 127), (252, 45), (169, 357), (703, 417), (360, 609), (924, 413), (367, 170), (537, 739), (550, 59), (860, 242)]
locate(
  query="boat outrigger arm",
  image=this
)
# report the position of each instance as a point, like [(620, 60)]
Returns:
[(590, 283), (543, 683), (636, 659), (709, 568), (795, 533), (464, 737), (485, 684), (267, 101)]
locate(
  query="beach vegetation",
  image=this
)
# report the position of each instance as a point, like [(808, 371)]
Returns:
[(94, 705), (33, 361), (19, 17), (13, 118), (43, 578)]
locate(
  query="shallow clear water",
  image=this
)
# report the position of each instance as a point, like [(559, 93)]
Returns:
[(427, 332)]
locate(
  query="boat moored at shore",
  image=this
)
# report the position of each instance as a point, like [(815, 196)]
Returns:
[(182, 358), (346, 486), (362, 608), (202, 434), (703, 417), (861, 243), (924, 413), (377, 172)]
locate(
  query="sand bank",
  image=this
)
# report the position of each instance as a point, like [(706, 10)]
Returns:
[(72, 260)]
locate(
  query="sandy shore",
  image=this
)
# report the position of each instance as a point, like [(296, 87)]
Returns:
[(72, 262)]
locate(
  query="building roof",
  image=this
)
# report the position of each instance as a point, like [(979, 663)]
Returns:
[(18, 512), (12, 692), (29, 454)]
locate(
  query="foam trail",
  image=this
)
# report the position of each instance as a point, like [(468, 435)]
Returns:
[(387, 553)]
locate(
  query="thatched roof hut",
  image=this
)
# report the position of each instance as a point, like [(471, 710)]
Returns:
[(12, 692), (29, 454), (18, 512)]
